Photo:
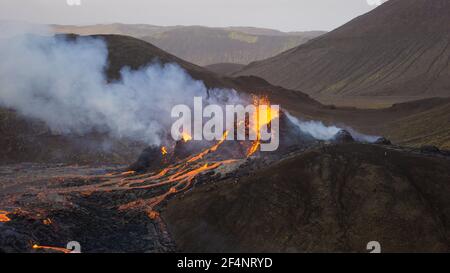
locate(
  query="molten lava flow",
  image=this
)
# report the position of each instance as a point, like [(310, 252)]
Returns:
[(128, 173), (153, 215), (189, 176), (3, 217), (161, 173), (184, 180), (186, 137), (253, 148), (59, 249), (212, 149), (262, 117), (173, 179)]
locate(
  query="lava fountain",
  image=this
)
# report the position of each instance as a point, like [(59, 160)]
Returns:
[(262, 116)]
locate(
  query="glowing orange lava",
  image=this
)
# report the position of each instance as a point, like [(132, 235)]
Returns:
[(212, 149), (161, 173), (173, 179), (59, 249), (262, 117), (3, 217), (186, 137), (184, 180), (153, 215), (178, 177), (189, 176), (128, 173), (253, 148)]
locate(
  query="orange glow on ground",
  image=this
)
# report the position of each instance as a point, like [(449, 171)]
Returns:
[(153, 215), (3, 217), (212, 149), (128, 173), (59, 249), (177, 177)]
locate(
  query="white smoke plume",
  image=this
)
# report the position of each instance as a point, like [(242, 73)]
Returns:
[(360, 136), (62, 82), (322, 132), (9, 29)]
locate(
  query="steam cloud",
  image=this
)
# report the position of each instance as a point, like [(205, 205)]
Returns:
[(62, 82), (322, 132)]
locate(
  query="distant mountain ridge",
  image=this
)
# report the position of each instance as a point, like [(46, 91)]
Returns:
[(399, 49), (205, 45), (224, 68)]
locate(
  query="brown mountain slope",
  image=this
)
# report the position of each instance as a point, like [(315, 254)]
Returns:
[(135, 53), (428, 127), (400, 49), (330, 199), (205, 45), (29, 140), (224, 68)]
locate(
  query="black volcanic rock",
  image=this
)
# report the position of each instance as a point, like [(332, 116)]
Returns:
[(430, 149), (291, 135), (332, 199), (343, 136), (383, 141), (151, 158)]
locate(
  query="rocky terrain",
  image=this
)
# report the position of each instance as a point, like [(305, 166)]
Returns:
[(46, 210), (327, 199), (316, 197)]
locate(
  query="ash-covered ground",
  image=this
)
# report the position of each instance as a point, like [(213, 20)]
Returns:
[(46, 209)]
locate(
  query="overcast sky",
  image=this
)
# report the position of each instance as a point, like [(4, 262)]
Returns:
[(286, 15)]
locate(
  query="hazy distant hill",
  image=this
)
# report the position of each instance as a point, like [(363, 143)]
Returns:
[(204, 45), (400, 49), (224, 68), (134, 30)]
